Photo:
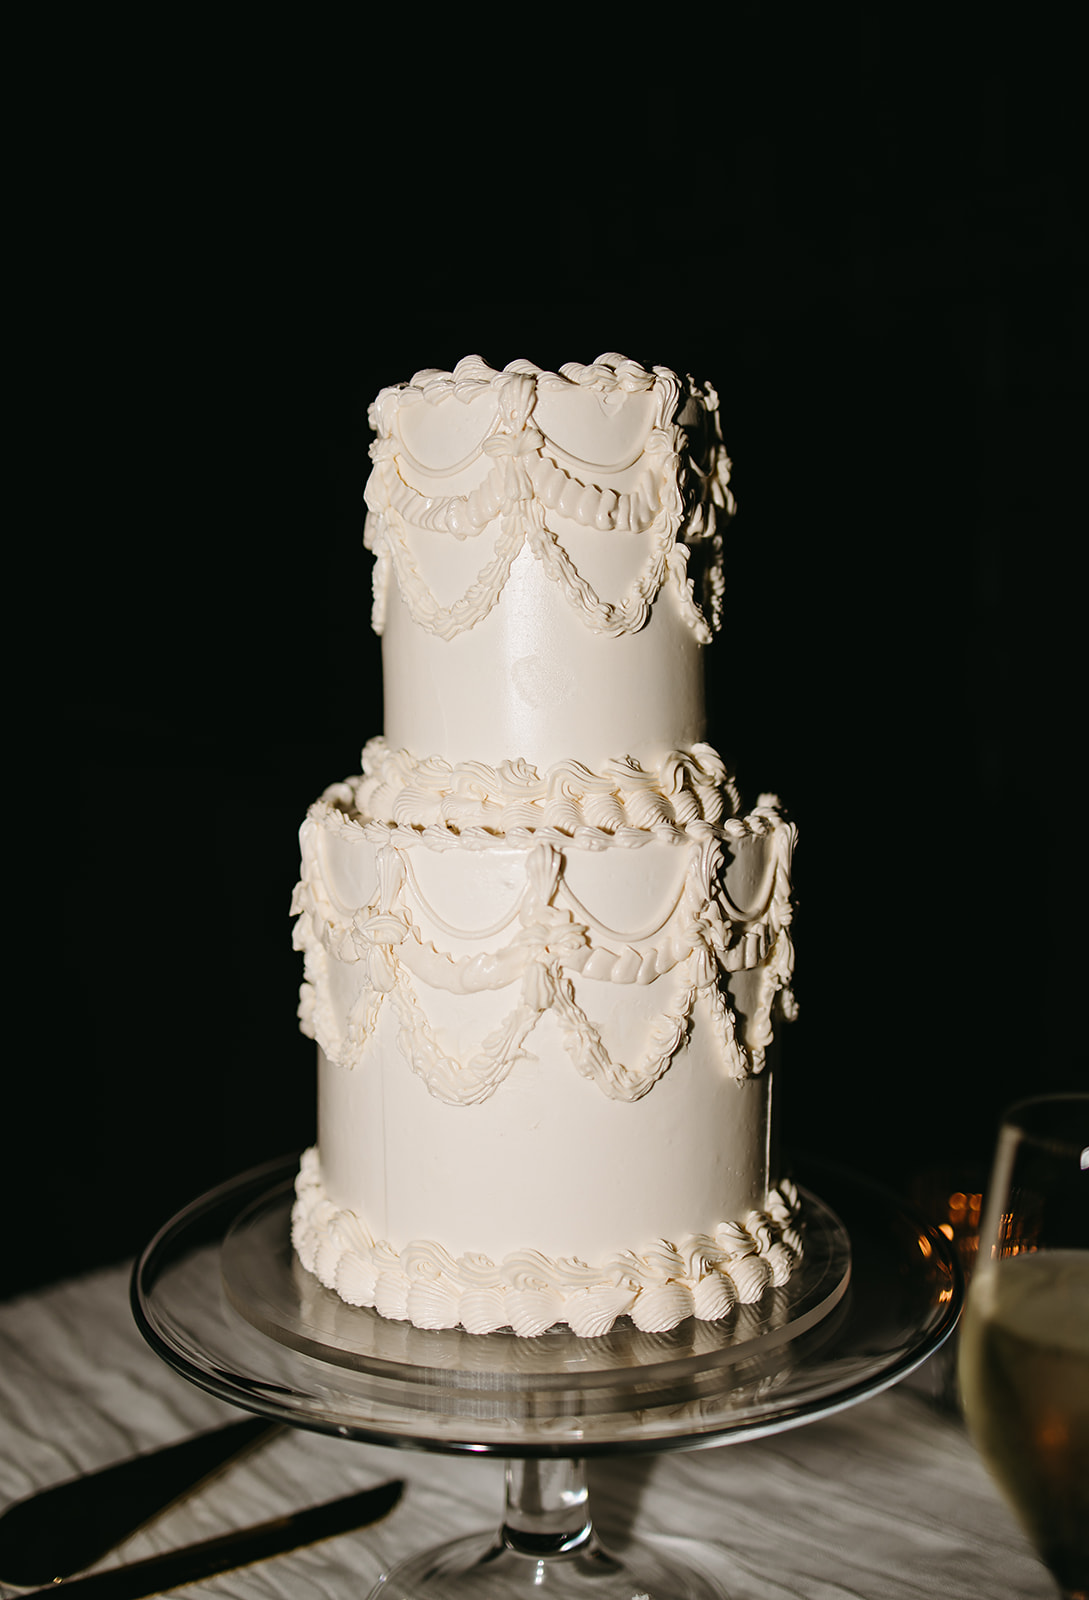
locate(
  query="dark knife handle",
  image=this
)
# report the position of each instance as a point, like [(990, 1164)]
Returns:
[(210, 1556), (72, 1525)]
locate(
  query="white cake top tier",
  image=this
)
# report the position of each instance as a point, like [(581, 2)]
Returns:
[(548, 560)]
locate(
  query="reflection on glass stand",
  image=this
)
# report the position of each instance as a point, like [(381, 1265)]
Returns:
[(219, 1294)]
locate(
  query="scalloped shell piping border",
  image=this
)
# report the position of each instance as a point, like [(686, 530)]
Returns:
[(658, 1286)]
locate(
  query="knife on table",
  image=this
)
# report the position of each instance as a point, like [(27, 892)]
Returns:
[(70, 1526), (193, 1562)]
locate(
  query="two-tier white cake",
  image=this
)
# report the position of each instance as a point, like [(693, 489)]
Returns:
[(542, 950)]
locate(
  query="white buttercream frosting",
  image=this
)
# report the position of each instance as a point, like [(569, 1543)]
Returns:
[(658, 1286), (548, 933), (536, 475), (544, 947), (547, 563), (687, 787)]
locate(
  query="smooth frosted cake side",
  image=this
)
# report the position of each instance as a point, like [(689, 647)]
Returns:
[(543, 952)]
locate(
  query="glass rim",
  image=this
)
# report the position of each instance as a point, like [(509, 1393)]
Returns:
[(1021, 1117)]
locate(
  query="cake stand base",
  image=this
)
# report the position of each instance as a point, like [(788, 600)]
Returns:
[(481, 1568), (547, 1545), (219, 1294)]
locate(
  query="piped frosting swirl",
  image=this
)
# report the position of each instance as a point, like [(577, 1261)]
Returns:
[(658, 1286), (688, 787)]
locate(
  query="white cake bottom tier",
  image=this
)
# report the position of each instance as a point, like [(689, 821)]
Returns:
[(544, 1078), (548, 1202), (705, 1277), (658, 1286)]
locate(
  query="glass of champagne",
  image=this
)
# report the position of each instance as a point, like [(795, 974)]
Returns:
[(1024, 1341)]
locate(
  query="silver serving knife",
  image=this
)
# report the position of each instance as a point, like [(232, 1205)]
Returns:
[(203, 1560), (72, 1525)]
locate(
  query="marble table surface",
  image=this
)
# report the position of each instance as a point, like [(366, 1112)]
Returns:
[(884, 1501)]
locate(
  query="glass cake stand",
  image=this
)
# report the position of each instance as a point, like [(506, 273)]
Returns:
[(219, 1295)]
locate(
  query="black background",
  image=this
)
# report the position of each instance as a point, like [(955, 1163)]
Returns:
[(868, 236)]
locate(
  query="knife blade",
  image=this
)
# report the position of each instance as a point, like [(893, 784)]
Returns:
[(240, 1548), (70, 1526)]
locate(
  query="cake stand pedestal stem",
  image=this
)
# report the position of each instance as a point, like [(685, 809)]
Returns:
[(548, 1507), (546, 1546)]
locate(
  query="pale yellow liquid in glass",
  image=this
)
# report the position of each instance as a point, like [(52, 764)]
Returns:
[(1024, 1377)]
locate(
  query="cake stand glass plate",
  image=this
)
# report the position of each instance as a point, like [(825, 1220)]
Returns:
[(219, 1294)]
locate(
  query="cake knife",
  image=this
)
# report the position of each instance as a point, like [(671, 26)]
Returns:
[(70, 1526), (193, 1562)]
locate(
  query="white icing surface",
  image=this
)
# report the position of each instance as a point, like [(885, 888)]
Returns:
[(542, 949), (434, 1285), (533, 533), (690, 786), (547, 910)]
